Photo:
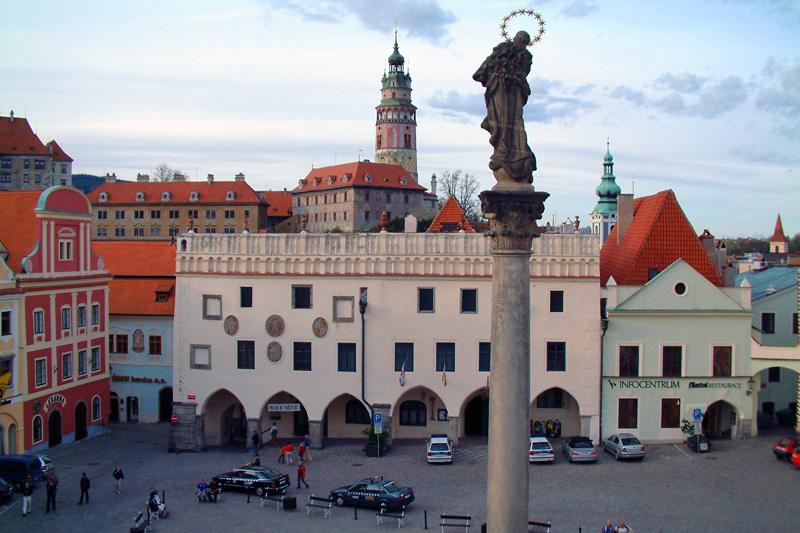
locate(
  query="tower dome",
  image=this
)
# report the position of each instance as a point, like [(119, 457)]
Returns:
[(604, 216)]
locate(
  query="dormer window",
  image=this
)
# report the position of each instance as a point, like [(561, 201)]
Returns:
[(165, 196), (403, 180), (139, 196), (194, 196), (103, 196), (345, 178), (231, 195), (329, 181), (368, 178)]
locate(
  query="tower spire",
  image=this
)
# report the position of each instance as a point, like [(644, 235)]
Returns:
[(604, 216)]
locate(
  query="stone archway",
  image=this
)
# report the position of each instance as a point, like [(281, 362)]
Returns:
[(225, 420), (165, 404), (719, 420), (54, 428), (80, 421), (418, 413), (113, 409), (476, 415), (287, 412), (558, 405), (345, 417)]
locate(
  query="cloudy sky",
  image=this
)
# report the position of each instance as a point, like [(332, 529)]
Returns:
[(699, 96)]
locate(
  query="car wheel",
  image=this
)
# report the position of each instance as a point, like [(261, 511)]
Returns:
[(616, 455), (384, 507), (339, 501), (260, 492)]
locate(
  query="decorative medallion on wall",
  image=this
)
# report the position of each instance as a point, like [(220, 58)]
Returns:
[(37, 406), (231, 325), (274, 352), (138, 341), (275, 326), (320, 327)]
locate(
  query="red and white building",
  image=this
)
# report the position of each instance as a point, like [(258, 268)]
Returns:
[(63, 314)]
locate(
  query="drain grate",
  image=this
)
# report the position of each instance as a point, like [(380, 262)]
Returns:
[(356, 464), (94, 464)]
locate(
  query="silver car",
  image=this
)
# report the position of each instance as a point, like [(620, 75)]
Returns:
[(624, 446), (579, 449)]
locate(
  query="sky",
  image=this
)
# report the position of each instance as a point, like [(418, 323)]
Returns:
[(701, 97)]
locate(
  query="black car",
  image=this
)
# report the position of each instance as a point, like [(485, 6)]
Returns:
[(374, 492), (6, 491), (261, 480)]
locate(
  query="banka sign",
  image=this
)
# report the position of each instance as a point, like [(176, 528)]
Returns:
[(646, 384)]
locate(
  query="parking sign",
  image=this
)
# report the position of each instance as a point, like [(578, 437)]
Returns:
[(378, 420), (698, 414)]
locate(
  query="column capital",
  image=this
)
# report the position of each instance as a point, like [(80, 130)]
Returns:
[(512, 211)]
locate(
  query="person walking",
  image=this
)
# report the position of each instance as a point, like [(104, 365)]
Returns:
[(282, 456), (288, 459), (118, 476), (27, 492), (255, 440), (301, 450), (85, 484), (623, 528), (301, 474), (307, 442), (608, 528), (51, 494), (273, 433)]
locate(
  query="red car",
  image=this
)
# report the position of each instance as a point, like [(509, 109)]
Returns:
[(796, 458), (784, 448)]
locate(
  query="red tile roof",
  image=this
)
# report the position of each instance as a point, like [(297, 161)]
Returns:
[(137, 258), (778, 235), (18, 227), (280, 203), (57, 152), (350, 174), (659, 234), (450, 219), (216, 192), (17, 138), (138, 297)]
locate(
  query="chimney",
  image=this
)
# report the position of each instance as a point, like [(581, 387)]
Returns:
[(11, 116), (210, 179), (144, 178), (624, 214), (433, 184), (177, 176), (239, 177), (707, 240), (111, 178)]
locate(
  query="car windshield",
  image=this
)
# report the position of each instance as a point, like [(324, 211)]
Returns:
[(540, 446), (272, 472), (439, 447), (582, 444), (784, 442), (391, 487), (632, 441)]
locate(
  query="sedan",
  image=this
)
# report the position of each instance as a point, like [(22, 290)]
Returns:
[(260, 480), (374, 492), (579, 449), (48, 465), (624, 446), (540, 450), (784, 448)]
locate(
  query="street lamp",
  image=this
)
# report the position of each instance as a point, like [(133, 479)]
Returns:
[(750, 384)]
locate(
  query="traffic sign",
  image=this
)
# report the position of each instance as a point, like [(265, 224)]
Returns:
[(698, 414), (378, 421), (174, 419)]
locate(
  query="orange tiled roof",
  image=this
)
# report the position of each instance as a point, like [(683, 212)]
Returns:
[(450, 219), (356, 174), (280, 203), (137, 258), (57, 152), (215, 192), (778, 235), (659, 234), (18, 224), (17, 138), (138, 297)]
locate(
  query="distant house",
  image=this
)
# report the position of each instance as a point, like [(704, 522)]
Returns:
[(279, 212), (25, 162), (450, 219)]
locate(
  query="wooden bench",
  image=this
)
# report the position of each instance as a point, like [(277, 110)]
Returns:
[(141, 523), (457, 521), (319, 503), (538, 527), (275, 498), (385, 513)]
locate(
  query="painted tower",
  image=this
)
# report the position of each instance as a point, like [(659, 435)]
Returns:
[(604, 216), (396, 124)]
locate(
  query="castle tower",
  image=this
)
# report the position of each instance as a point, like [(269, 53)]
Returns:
[(604, 216), (396, 124), (778, 243)]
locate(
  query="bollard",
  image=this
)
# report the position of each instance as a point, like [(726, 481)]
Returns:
[(426, 519), (355, 513), (248, 496), (163, 496)]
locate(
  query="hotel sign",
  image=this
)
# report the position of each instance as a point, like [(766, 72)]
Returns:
[(283, 407)]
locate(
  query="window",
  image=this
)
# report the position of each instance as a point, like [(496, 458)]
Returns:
[(39, 164), (469, 300), (200, 357), (551, 399), (723, 359), (230, 213), (63, 169), (356, 413), (95, 314), (138, 232), (66, 318), (425, 302), (38, 322), (413, 413), (366, 196), (628, 361), (628, 413), (445, 356), (119, 232), (774, 374), (651, 273), (767, 322), (81, 362), (155, 214), (347, 357), (670, 412), (5, 323), (173, 232), (65, 250), (556, 301), (211, 213), (302, 356), (102, 232), (82, 316), (301, 296), (155, 231), (118, 343), (404, 353), (192, 213), (102, 215), (671, 359), (95, 359), (7, 163), (484, 356), (138, 214), (37, 428), (66, 366), (229, 230), (96, 408), (155, 344), (245, 296), (41, 372), (174, 213), (245, 354), (212, 307), (556, 356), (5, 177), (119, 215)]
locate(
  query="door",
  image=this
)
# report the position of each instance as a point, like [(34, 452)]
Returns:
[(54, 428), (133, 408), (165, 404), (113, 411), (80, 421), (301, 422)]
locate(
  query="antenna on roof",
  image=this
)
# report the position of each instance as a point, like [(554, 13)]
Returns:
[(359, 155), (633, 189)]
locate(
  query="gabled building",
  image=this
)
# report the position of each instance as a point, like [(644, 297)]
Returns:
[(279, 212), (450, 219), (25, 162)]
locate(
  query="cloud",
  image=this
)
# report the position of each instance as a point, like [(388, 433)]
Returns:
[(784, 100), (455, 102), (672, 104), (579, 9), (422, 18), (722, 97), (685, 82), (629, 94)]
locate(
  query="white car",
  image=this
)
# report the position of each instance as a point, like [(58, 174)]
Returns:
[(48, 465), (440, 449), (624, 446), (540, 450)]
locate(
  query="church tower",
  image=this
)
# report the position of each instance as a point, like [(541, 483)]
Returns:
[(604, 216), (778, 243), (396, 125)]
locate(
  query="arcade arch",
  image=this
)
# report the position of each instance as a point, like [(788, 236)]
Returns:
[(418, 413), (225, 420), (558, 405), (345, 418)]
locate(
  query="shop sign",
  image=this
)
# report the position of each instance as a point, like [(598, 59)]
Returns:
[(55, 398), (646, 384), (283, 407), (134, 379), (711, 385)]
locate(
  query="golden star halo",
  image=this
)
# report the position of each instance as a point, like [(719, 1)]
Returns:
[(528, 12)]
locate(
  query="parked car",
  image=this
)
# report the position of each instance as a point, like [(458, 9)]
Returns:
[(48, 465), (624, 446), (261, 480), (579, 449), (374, 492), (540, 450), (796, 457), (17, 469), (440, 449), (785, 446), (6, 491)]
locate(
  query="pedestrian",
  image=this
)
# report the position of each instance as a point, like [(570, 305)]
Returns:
[(289, 449), (307, 442), (255, 440), (51, 494), (27, 492), (273, 432), (301, 474), (84, 489), (282, 456), (202, 490), (623, 528), (118, 476), (301, 450), (608, 528), (213, 491)]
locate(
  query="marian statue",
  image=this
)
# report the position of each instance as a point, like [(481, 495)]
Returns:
[(504, 75)]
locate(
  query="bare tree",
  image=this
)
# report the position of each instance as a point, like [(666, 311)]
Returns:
[(464, 187), (163, 173)]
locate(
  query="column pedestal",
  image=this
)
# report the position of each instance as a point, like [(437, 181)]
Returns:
[(315, 434)]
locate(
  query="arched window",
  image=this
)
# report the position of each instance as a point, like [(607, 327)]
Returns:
[(37, 428), (413, 413), (356, 413), (96, 408)]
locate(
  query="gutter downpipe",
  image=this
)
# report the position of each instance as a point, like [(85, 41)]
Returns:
[(362, 308), (603, 328)]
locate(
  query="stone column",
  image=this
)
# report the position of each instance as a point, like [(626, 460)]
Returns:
[(512, 211), (453, 431), (188, 433), (315, 434)]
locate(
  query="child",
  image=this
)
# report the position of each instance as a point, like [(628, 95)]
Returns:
[(301, 450), (288, 458), (301, 475)]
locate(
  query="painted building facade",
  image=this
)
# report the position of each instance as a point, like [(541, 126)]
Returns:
[(25, 162), (11, 368)]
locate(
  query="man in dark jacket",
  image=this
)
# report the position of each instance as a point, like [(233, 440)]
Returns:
[(118, 477), (51, 494), (84, 489)]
